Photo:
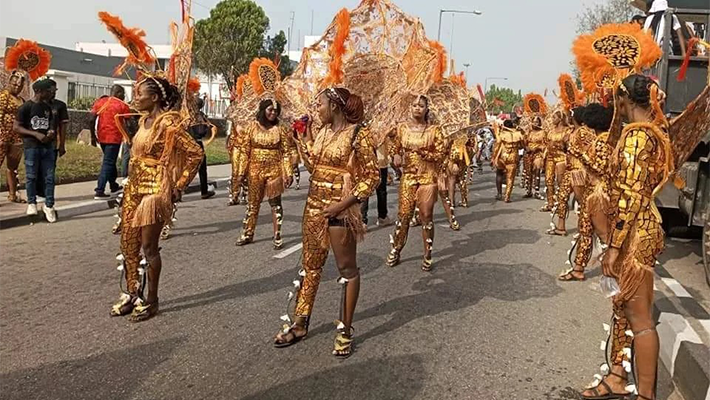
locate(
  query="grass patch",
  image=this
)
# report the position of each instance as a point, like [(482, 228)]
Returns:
[(83, 163)]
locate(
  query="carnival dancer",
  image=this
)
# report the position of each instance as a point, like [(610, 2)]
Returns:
[(506, 158), (237, 189), (463, 150), (535, 153), (418, 147), (266, 151), (10, 141), (240, 113), (591, 215), (341, 160), (572, 165), (555, 158), (164, 160)]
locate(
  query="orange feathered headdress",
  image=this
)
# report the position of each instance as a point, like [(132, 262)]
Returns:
[(569, 93), (459, 79), (193, 85), (613, 48), (27, 56), (337, 49), (535, 104), (264, 75), (441, 60), (139, 53)]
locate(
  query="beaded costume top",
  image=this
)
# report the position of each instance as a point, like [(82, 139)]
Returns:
[(422, 151)]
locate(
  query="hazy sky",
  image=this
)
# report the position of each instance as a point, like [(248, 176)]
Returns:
[(527, 41)]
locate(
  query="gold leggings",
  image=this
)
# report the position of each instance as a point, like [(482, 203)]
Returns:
[(255, 193), (409, 195), (131, 240), (563, 195), (510, 171), (619, 338), (550, 177), (315, 252)]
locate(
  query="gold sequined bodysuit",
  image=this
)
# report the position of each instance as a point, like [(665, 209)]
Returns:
[(639, 165), (422, 153), (341, 164), (535, 159), (164, 157), (555, 155), (506, 157), (265, 159), (10, 141)]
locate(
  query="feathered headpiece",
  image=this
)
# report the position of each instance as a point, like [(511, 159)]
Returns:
[(612, 52), (535, 104), (441, 60), (458, 79), (27, 56), (139, 53), (193, 85), (337, 49), (569, 93), (244, 86), (264, 76)]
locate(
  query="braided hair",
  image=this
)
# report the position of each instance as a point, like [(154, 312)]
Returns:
[(349, 104), (637, 88), (168, 95)]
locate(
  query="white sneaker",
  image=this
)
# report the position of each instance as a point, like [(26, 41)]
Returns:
[(31, 209), (51, 214)]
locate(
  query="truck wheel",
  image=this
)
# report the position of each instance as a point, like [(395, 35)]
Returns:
[(706, 251)]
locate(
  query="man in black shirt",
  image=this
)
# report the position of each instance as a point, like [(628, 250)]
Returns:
[(199, 129), (60, 123), (34, 123)]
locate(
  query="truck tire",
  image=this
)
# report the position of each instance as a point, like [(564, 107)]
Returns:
[(706, 251)]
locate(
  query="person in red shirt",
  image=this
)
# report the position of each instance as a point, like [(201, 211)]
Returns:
[(109, 138)]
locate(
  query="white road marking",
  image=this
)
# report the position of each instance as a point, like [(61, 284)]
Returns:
[(289, 251), (676, 287)]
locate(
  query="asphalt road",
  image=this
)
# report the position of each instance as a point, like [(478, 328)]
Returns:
[(490, 322)]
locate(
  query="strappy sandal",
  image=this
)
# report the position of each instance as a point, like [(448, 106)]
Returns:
[(278, 242), (568, 276), (124, 306), (143, 312), (610, 395), (16, 199), (393, 258), (244, 240), (556, 232), (427, 264), (454, 224), (279, 344), (343, 346), (545, 208)]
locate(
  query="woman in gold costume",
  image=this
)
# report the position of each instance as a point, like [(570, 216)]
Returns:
[(506, 158), (555, 159), (164, 159), (535, 153), (640, 165), (10, 142), (463, 147), (341, 160), (572, 167), (265, 153), (419, 148), (591, 214)]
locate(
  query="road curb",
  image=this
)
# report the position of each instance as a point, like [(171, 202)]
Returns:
[(681, 350), (88, 207)]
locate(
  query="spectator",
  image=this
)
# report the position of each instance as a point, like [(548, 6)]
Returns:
[(201, 128), (382, 162), (34, 123), (656, 22), (109, 137), (60, 124)]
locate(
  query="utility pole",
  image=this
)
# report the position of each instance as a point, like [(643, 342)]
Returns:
[(290, 30)]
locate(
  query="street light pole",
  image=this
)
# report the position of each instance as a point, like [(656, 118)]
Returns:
[(441, 12), (466, 65)]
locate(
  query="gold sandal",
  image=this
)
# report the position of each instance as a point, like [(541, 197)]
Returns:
[(343, 346)]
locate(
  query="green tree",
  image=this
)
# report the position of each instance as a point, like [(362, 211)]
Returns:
[(273, 49), (610, 11), (502, 99), (227, 41)]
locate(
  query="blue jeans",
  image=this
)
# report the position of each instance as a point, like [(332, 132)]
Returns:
[(40, 161), (108, 173)]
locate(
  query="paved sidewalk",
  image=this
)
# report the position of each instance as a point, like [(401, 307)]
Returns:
[(74, 199)]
